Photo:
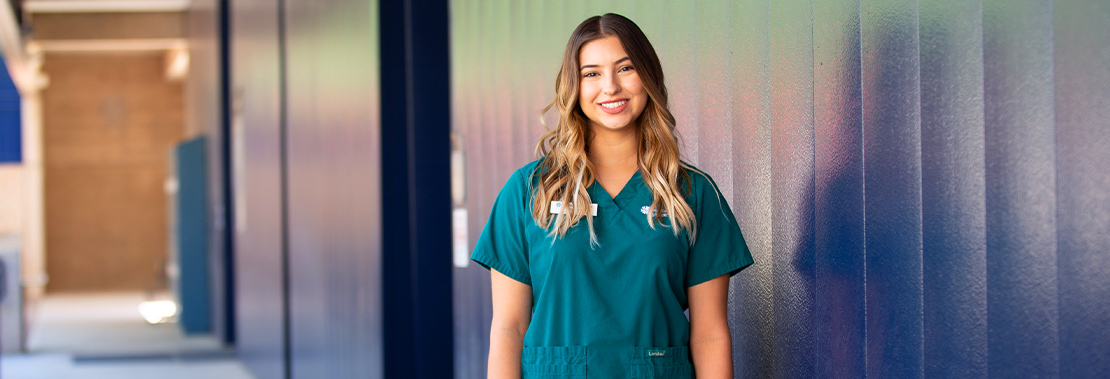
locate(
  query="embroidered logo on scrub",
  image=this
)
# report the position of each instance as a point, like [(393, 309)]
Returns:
[(646, 208), (656, 352)]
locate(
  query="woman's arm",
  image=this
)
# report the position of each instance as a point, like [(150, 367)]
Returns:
[(512, 311), (710, 342)]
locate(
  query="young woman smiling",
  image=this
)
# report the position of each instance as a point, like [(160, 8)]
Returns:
[(597, 248)]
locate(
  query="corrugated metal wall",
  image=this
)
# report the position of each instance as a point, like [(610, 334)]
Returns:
[(305, 125), (342, 216), (1081, 75), (204, 115), (953, 184), (333, 163), (257, 179), (922, 183), (1019, 148)]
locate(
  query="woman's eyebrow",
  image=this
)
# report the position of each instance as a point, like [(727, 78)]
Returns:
[(596, 66)]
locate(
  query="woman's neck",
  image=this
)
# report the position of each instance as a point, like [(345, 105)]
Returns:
[(614, 148)]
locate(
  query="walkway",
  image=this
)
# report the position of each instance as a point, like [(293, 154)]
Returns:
[(102, 335)]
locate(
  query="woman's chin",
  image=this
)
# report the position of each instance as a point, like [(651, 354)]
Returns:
[(614, 125)]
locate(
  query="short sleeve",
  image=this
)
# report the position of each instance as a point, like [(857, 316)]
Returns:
[(719, 247), (502, 244)]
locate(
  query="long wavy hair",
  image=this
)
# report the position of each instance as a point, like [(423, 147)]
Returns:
[(566, 170)]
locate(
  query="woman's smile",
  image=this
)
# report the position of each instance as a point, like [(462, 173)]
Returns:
[(615, 106)]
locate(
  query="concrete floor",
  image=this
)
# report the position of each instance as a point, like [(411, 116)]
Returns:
[(102, 335)]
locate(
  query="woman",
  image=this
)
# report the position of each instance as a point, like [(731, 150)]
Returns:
[(597, 248)]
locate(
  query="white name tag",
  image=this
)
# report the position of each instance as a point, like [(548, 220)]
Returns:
[(557, 208)]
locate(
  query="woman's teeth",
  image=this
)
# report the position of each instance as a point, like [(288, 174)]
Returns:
[(614, 105)]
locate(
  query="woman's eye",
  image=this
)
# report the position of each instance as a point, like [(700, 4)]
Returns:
[(589, 74), (625, 68)]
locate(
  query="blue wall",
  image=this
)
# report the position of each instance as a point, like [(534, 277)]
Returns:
[(11, 134), (917, 179)]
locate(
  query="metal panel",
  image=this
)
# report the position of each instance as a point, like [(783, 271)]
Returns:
[(712, 100), (1019, 139), (256, 125), (415, 164), (398, 292), (953, 210), (207, 106), (680, 65), (750, 293), (1082, 101), (472, 313), (892, 187), (334, 181), (207, 101), (792, 225), (838, 164)]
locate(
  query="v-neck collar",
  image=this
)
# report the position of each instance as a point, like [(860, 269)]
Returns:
[(601, 196)]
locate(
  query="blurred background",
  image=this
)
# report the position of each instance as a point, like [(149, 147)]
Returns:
[(291, 188)]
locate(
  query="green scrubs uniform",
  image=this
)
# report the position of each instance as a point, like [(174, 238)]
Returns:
[(616, 310)]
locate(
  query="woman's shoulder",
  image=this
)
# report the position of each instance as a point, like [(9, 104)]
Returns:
[(701, 188), (698, 179), (529, 170), (526, 176)]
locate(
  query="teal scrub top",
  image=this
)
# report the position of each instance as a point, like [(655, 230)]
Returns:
[(616, 310)]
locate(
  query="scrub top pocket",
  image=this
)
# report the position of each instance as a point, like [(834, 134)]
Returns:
[(553, 362), (661, 363)]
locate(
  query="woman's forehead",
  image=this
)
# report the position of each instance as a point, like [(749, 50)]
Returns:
[(602, 51)]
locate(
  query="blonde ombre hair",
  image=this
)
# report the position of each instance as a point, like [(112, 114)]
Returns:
[(566, 170)]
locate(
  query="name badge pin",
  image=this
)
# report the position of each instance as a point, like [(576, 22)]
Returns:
[(557, 208)]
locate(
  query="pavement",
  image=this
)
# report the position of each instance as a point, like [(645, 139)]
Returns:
[(102, 335)]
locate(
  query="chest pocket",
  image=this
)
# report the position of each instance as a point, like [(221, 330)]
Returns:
[(553, 362), (661, 363)]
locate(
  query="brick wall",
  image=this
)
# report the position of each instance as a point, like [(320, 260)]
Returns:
[(109, 122)]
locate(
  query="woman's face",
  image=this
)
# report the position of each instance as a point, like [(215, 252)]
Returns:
[(610, 92)]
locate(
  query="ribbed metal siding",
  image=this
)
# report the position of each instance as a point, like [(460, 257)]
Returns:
[(916, 179), (204, 106), (334, 182), (792, 223), (257, 182), (952, 187), (1081, 50), (839, 182), (750, 311), (1022, 309), (892, 188)]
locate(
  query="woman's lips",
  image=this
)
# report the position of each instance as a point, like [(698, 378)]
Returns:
[(614, 106)]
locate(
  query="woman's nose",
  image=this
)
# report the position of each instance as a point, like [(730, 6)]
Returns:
[(610, 85)]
